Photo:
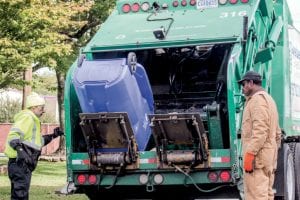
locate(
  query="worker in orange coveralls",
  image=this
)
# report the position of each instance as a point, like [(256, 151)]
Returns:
[(261, 138)]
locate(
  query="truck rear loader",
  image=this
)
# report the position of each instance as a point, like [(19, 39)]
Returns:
[(152, 104)]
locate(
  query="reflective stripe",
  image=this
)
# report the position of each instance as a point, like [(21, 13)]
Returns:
[(33, 132), (13, 138), (32, 145), (17, 130), (31, 137), (43, 141)]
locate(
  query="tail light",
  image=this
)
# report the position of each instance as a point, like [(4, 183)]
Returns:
[(92, 179), (233, 1), (135, 7), (192, 2), (81, 179), (244, 1), (225, 176), (183, 3), (222, 2), (145, 6), (164, 6), (158, 179), (144, 178), (213, 177), (126, 8), (175, 3)]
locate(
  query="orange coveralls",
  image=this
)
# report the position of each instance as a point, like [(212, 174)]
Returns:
[(260, 136)]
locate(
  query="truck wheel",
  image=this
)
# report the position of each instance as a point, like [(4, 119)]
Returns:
[(297, 170), (289, 174)]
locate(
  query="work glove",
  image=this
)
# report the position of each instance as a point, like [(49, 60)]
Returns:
[(249, 161), (49, 137), (57, 132), (22, 156)]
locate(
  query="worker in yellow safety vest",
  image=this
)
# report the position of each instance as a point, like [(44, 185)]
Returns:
[(24, 144)]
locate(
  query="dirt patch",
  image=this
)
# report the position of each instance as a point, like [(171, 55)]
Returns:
[(53, 158)]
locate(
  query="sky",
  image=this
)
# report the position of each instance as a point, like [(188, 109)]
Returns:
[(295, 10)]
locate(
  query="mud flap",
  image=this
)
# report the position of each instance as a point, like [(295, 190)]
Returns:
[(180, 139)]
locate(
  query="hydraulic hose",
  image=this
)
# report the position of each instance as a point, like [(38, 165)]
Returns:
[(195, 184)]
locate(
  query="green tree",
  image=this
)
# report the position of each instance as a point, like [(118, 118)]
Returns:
[(38, 33), (15, 51), (8, 108)]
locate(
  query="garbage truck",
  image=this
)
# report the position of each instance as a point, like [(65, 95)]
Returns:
[(152, 104)]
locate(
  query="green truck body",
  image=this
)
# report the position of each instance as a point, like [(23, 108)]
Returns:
[(191, 53)]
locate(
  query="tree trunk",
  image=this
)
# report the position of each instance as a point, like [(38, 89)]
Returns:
[(60, 99), (27, 77)]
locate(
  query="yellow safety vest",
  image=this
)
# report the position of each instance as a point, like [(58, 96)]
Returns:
[(26, 128)]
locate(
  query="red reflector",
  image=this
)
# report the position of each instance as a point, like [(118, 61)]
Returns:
[(244, 1), (126, 8), (135, 7), (152, 160), (225, 176), (183, 3), (86, 162), (213, 177), (175, 3), (233, 1), (192, 2), (92, 179), (225, 159), (81, 179)]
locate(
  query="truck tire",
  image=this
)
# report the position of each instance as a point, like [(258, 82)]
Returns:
[(289, 174), (297, 170)]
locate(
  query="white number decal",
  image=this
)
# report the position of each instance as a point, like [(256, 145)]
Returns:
[(224, 15), (242, 13), (233, 14), (120, 37)]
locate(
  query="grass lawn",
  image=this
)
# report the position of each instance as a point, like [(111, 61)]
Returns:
[(46, 179)]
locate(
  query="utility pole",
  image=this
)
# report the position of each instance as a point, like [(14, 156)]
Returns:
[(27, 77)]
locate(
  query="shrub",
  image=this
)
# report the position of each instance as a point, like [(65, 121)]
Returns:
[(8, 108)]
